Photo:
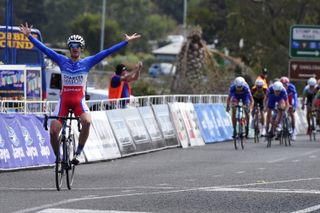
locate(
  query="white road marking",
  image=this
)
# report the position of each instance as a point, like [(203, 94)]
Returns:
[(264, 190), (84, 211), (261, 168), (240, 172), (310, 209), (286, 158), (233, 188)]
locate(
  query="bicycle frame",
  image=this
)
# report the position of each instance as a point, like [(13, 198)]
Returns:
[(240, 121), (67, 147)]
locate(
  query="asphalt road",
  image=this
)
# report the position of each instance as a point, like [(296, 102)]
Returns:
[(210, 178)]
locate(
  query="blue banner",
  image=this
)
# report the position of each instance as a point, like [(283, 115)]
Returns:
[(214, 123), (24, 142)]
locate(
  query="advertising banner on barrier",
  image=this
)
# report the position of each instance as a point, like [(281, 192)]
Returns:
[(163, 118), (37, 139), (301, 121), (214, 122), (22, 143), (152, 126), (137, 129), (109, 147), (179, 125), (121, 132), (223, 121), (93, 147), (191, 123)]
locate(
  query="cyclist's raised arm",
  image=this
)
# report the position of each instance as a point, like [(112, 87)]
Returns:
[(93, 60), (26, 30)]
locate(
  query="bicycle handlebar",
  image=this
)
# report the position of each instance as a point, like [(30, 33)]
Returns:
[(64, 118)]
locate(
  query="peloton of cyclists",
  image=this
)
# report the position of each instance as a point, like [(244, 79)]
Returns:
[(240, 91), (308, 94)]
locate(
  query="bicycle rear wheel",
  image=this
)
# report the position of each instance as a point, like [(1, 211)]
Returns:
[(71, 150), (256, 129), (313, 128), (241, 132)]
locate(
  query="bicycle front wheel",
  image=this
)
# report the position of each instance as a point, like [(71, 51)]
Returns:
[(71, 150), (59, 169)]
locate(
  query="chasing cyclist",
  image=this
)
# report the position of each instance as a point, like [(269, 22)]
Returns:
[(309, 92), (258, 92), (275, 94), (74, 72), (240, 91), (292, 100)]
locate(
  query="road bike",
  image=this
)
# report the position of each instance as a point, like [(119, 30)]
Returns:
[(313, 125), (286, 130), (256, 123), (67, 149), (240, 124)]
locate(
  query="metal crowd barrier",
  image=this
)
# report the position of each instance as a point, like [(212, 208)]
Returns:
[(45, 107)]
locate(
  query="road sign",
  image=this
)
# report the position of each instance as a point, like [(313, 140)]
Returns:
[(303, 70), (304, 41)]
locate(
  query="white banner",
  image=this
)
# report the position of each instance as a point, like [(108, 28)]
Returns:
[(179, 125), (191, 124), (163, 118), (152, 126), (108, 145), (121, 132)]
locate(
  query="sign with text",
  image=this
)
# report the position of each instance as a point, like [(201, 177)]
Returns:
[(304, 41), (303, 70)]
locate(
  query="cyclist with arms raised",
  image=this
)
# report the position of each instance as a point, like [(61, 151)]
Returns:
[(275, 94), (74, 72), (309, 92), (239, 91), (292, 100)]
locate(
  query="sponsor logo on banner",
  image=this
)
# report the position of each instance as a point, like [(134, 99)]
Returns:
[(4, 153), (138, 131), (122, 133), (44, 149), (16, 148), (2, 142), (31, 150)]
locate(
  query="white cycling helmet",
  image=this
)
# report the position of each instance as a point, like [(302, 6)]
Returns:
[(239, 81), (76, 39), (277, 86), (312, 82), (259, 83)]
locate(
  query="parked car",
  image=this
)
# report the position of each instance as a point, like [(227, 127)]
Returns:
[(158, 69)]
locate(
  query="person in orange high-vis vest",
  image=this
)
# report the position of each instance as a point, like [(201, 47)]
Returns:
[(119, 86), (263, 76)]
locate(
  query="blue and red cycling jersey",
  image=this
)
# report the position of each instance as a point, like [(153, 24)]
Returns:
[(74, 76), (244, 94), (292, 95), (273, 99)]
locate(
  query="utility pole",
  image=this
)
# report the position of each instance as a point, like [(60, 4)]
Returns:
[(103, 17), (185, 7)]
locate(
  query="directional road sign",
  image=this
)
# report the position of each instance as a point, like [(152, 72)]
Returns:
[(304, 41), (303, 70)]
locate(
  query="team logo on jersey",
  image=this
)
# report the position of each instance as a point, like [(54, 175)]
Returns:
[(72, 80)]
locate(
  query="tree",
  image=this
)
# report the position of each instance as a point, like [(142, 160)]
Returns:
[(88, 25)]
